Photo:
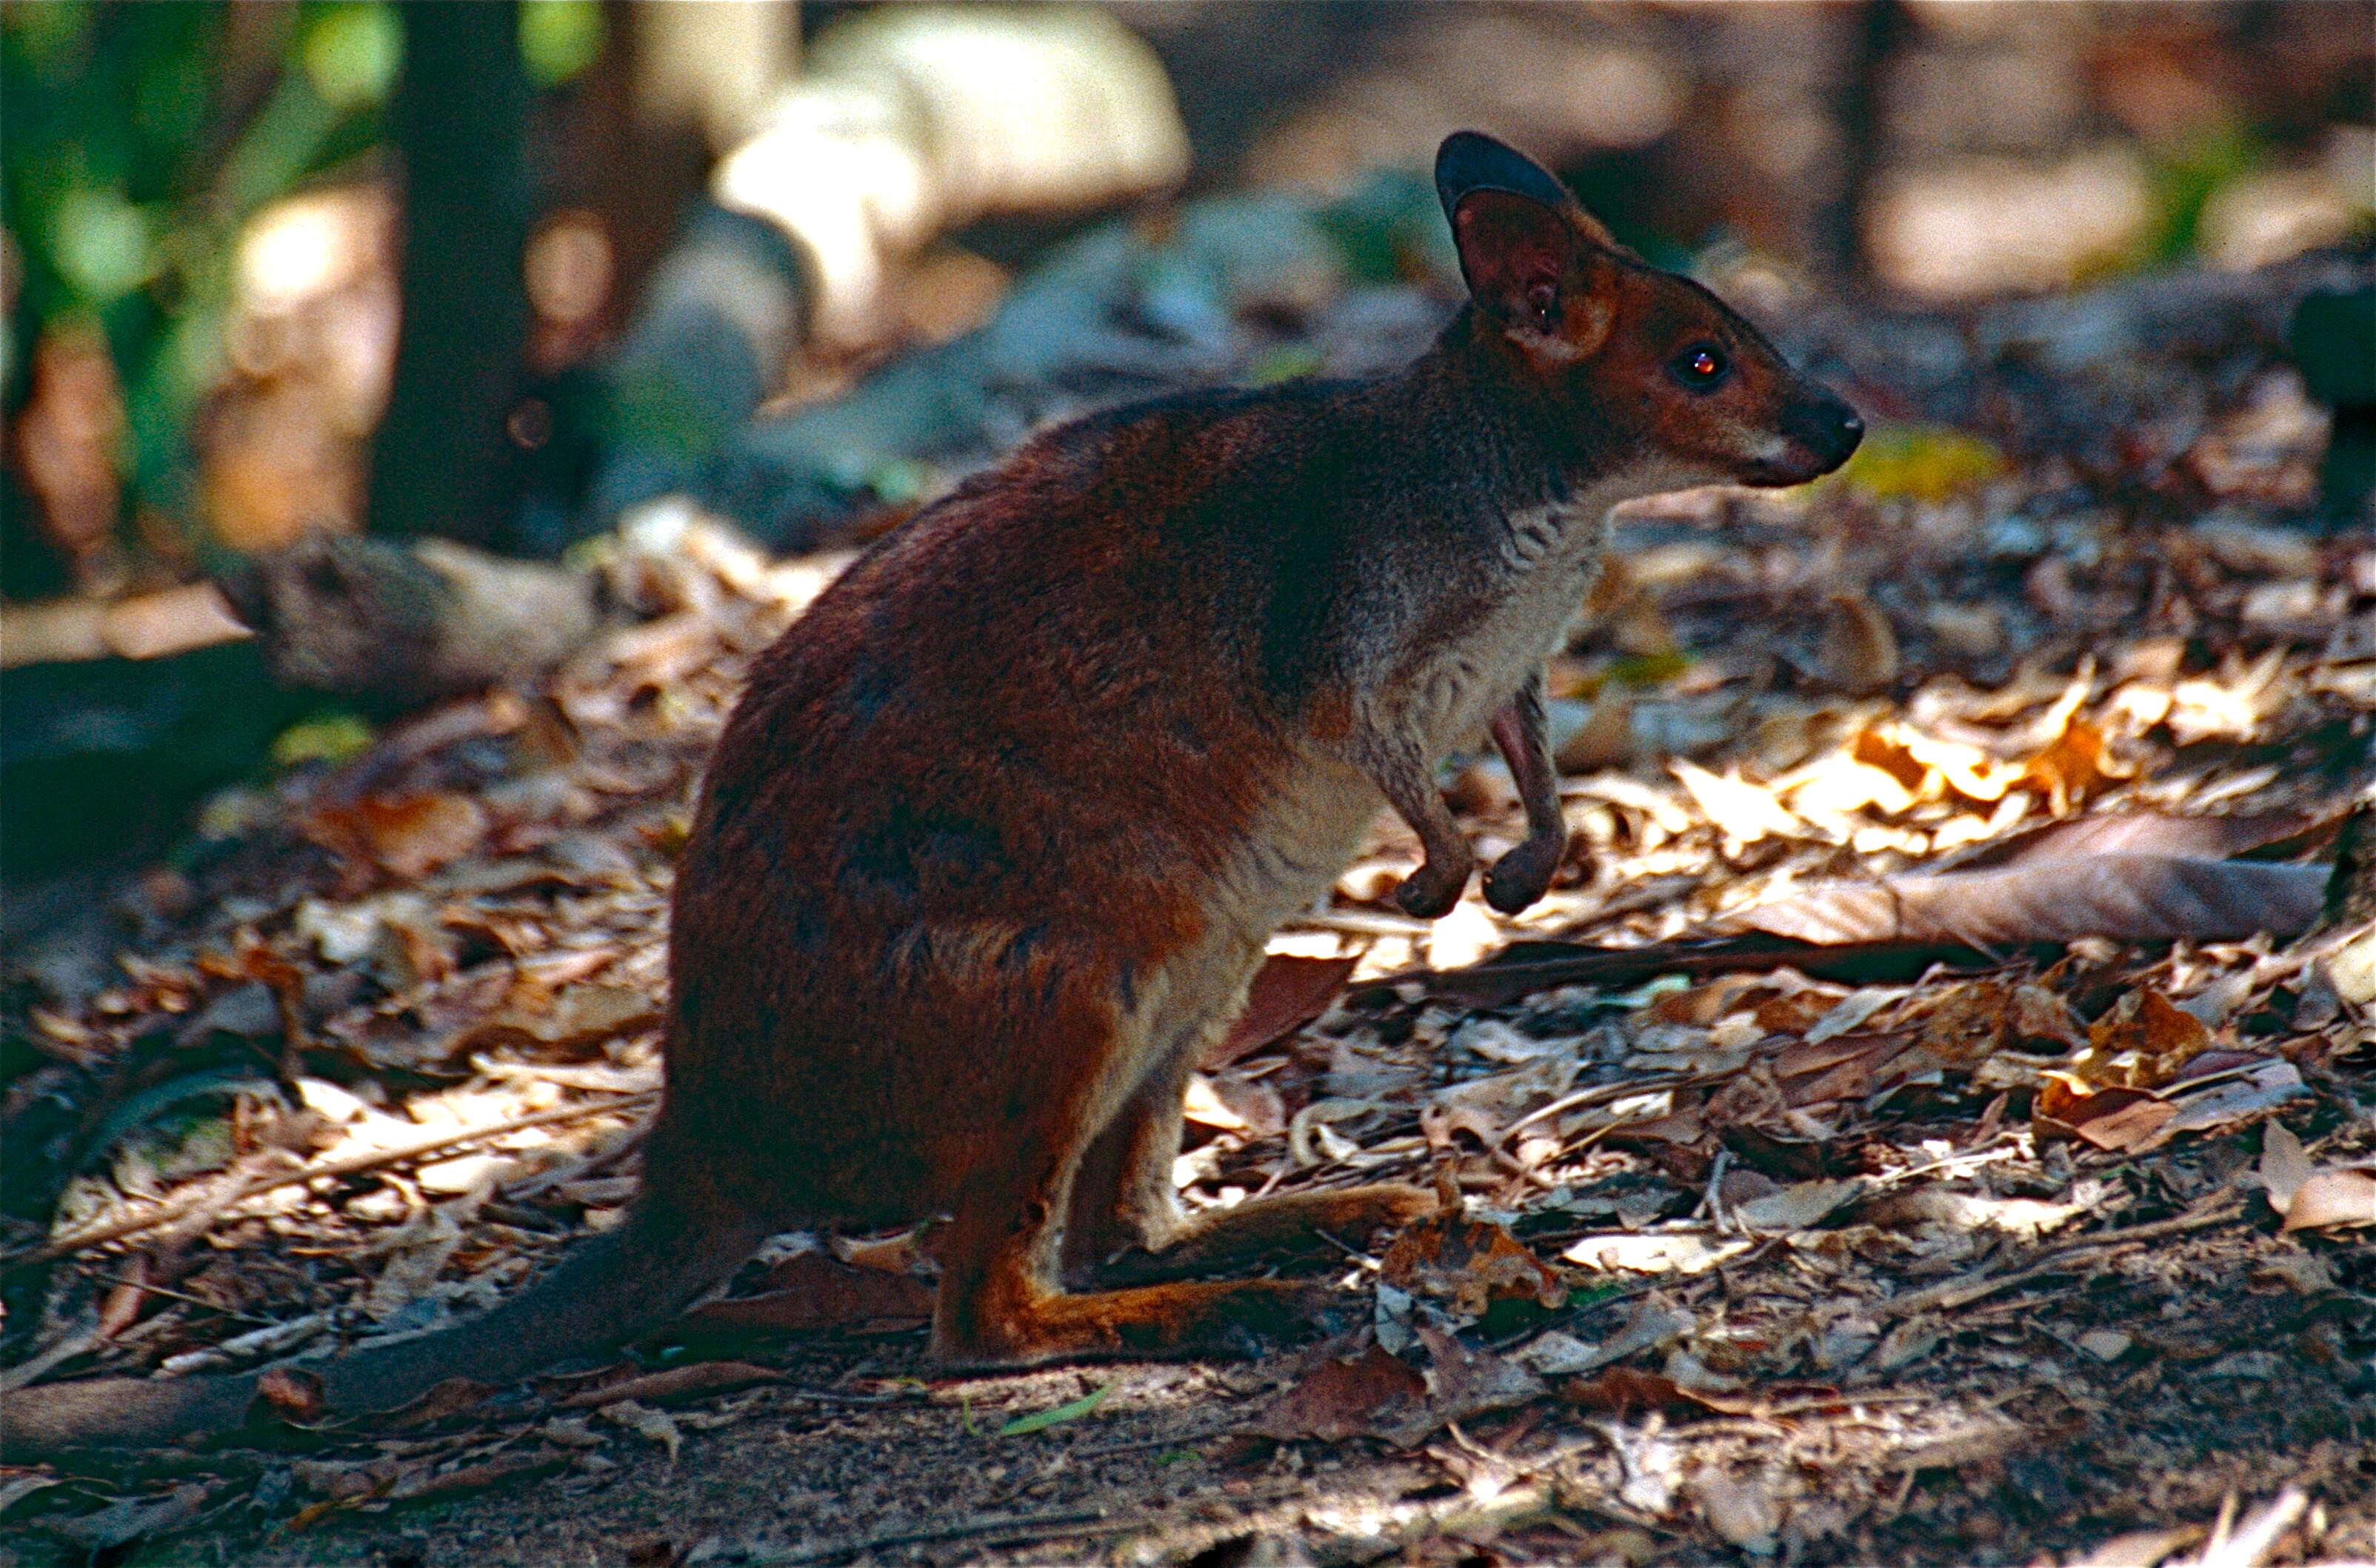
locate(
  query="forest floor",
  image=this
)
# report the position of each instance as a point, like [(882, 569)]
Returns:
[(1920, 1161)]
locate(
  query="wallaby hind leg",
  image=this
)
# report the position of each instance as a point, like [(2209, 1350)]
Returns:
[(1288, 1230), (1125, 1228), (1124, 1197), (1002, 1303)]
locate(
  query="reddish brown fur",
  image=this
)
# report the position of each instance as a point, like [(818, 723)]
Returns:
[(992, 846)]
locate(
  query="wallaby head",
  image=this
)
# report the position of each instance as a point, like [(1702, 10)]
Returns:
[(1648, 361)]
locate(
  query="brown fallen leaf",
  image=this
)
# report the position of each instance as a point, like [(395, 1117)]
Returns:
[(2334, 1198), (2117, 1120), (1624, 1391), (1288, 992), (1859, 653), (121, 1523), (2117, 833), (1347, 1399), (2140, 1044), (2284, 1166), (1470, 1262), (1896, 926), (408, 837), (2072, 767), (1460, 1385), (574, 1023)]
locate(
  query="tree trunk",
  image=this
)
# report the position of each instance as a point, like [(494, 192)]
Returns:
[(443, 463)]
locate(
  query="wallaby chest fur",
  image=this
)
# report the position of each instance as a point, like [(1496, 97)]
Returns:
[(993, 843)]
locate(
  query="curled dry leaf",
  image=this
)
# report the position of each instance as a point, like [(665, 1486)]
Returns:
[(2140, 1044), (1858, 654), (574, 1023), (408, 837), (1470, 1262), (2334, 1199), (2284, 1166), (652, 1426)]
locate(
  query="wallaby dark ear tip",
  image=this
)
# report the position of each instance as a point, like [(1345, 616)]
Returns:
[(1471, 160)]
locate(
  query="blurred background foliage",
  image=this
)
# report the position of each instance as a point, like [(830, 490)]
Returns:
[(143, 142), (168, 283), (799, 259)]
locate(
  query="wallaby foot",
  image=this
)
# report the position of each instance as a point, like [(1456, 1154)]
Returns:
[(1287, 1231), (1228, 1320)]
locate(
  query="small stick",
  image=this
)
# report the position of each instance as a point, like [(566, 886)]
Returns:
[(2254, 1539), (266, 1182), (980, 1525), (1961, 1292)]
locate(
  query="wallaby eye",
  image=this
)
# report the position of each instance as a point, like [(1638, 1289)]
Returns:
[(1701, 366), (1542, 301)]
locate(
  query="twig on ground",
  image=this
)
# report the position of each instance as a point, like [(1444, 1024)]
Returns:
[(960, 1529), (217, 1199), (1951, 1293)]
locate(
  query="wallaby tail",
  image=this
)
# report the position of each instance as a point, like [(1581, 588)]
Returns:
[(619, 1285)]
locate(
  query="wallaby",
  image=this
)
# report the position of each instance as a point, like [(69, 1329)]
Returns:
[(992, 846)]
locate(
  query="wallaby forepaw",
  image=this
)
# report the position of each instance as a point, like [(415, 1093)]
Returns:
[(1523, 875), (1430, 892)]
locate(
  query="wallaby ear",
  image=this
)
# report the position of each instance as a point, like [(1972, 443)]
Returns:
[(1525, 245)]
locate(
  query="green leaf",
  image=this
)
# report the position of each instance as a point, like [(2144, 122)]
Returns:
[(1921, 463), (1062, 1413), (333, 738), (104, 245), (352, 52), (1285, 364), (559, 39), (1649, 669)]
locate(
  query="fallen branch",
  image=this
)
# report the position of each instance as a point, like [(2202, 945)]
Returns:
[(266, 1182)]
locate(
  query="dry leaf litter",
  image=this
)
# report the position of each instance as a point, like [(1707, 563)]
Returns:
[(1809, 1192)]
